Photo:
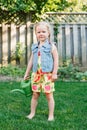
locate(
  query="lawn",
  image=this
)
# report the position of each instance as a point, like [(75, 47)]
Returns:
[(70, 108)]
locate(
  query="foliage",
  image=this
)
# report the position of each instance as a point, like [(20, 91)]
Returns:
[(18, 53), (81, 76), (72, 73), (68, 72), (56, 5), (70, 108), (17, 10), (14, 71)]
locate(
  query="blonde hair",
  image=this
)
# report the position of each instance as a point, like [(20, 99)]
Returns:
[(44, 24)]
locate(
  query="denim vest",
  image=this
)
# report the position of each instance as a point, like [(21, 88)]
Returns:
[(46, 57)]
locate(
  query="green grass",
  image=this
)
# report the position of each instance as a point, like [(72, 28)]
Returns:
[(70, 108)]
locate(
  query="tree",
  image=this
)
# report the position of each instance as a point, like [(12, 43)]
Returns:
[(16, 10), (11, 9)]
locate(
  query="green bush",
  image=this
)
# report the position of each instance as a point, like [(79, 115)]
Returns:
[(12, 71), (68, 72), (72, 73), (18, 53), (82, 76)]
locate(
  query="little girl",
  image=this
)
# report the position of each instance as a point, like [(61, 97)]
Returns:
[(44, 65)]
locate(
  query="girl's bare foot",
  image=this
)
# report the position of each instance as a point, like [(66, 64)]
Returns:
[(30, 116), (51, 119)]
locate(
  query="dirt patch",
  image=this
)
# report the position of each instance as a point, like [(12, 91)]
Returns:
[(9, 78)]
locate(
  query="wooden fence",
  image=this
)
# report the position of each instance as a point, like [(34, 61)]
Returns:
[(71, 41), (10, 36)]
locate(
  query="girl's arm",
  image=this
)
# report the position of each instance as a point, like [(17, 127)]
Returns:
[(29, 67), (56, 63)]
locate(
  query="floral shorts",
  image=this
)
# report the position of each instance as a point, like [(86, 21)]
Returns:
[(42, 83)]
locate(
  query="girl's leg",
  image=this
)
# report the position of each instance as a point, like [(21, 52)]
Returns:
[(51, 105), (33, 105)]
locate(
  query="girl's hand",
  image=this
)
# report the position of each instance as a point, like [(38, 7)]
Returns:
[(54, 77), (26, 77)]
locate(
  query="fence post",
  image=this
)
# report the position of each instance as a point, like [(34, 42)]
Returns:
[(67, 34), (28, 25), (59, 39), (75, 42), (0, 45), (22, 42), (4, 45), (84, 47), (13, 40)]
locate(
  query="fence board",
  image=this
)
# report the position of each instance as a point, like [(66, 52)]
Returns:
[(59, 45), (63, 43), (67, 33), (29, 40), (0, 45), (13, 40), (75, 42), (9, 44), (71, 43), (22, 42), (52, 33), (84, 49), (4, 45)]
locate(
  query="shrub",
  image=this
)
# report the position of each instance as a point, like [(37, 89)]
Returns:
[(12, 70), (72, 73)]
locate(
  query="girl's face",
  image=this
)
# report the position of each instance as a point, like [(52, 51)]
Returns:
[(42, 33)]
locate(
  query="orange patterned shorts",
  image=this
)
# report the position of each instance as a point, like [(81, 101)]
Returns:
[(42, 82)]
